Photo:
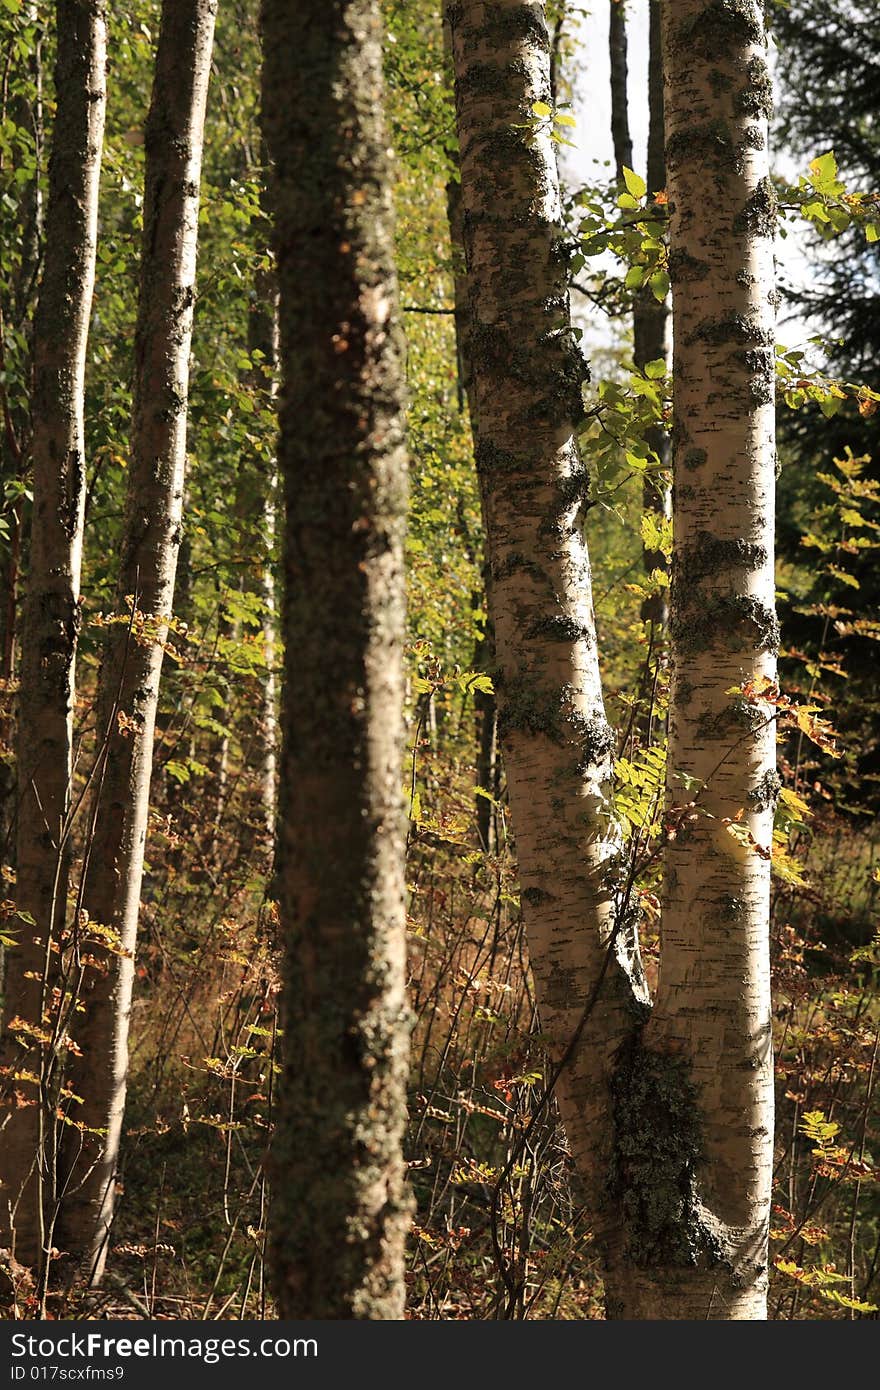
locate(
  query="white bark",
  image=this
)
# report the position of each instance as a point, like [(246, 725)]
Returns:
[(526, 399), (669, 1116), (129, 678), (709, 1037), (51, 620)]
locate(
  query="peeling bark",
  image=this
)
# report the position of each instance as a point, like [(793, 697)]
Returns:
[(340, 1208)]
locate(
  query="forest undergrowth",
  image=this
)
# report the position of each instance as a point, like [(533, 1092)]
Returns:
[(498, 1230)]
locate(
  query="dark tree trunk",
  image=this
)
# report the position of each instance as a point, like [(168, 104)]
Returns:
[(340, 1209), (623, 150), (651, 342)]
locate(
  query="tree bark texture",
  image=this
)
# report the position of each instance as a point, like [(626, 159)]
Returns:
[(129, 679), (51, 618), (527, 377), (340, 1209), (706, 1054)]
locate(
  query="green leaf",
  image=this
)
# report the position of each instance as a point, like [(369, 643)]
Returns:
[(483, 684), (646, 389), (656, 370), (487, 796), (659, 283), (564, 119), (635, 277), (843, 576), (844, 1301), (628, 202), (823, 169), (540, 108), (634, 183), (872, 232)]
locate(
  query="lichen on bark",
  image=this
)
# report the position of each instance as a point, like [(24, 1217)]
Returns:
[(658, 1151), (341, 1205)]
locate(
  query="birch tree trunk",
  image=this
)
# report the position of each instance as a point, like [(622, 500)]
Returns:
[(129, 678), (263, 337), (51, 620), (669, 1113), (697, 1192), (340, 1211), (268, 732), (526, 392)]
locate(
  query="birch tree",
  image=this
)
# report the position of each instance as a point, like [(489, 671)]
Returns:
[(339, 1207), (527, 374), (668, 1109), (51, 624), (129, 678), (263, 337), (710, 1029)]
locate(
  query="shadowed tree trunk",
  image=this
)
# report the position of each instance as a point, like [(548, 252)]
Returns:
[(340, 1209), (128, 688), (487, 756), (623, 149), (651, 336), (16, 308), (50, 625)]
